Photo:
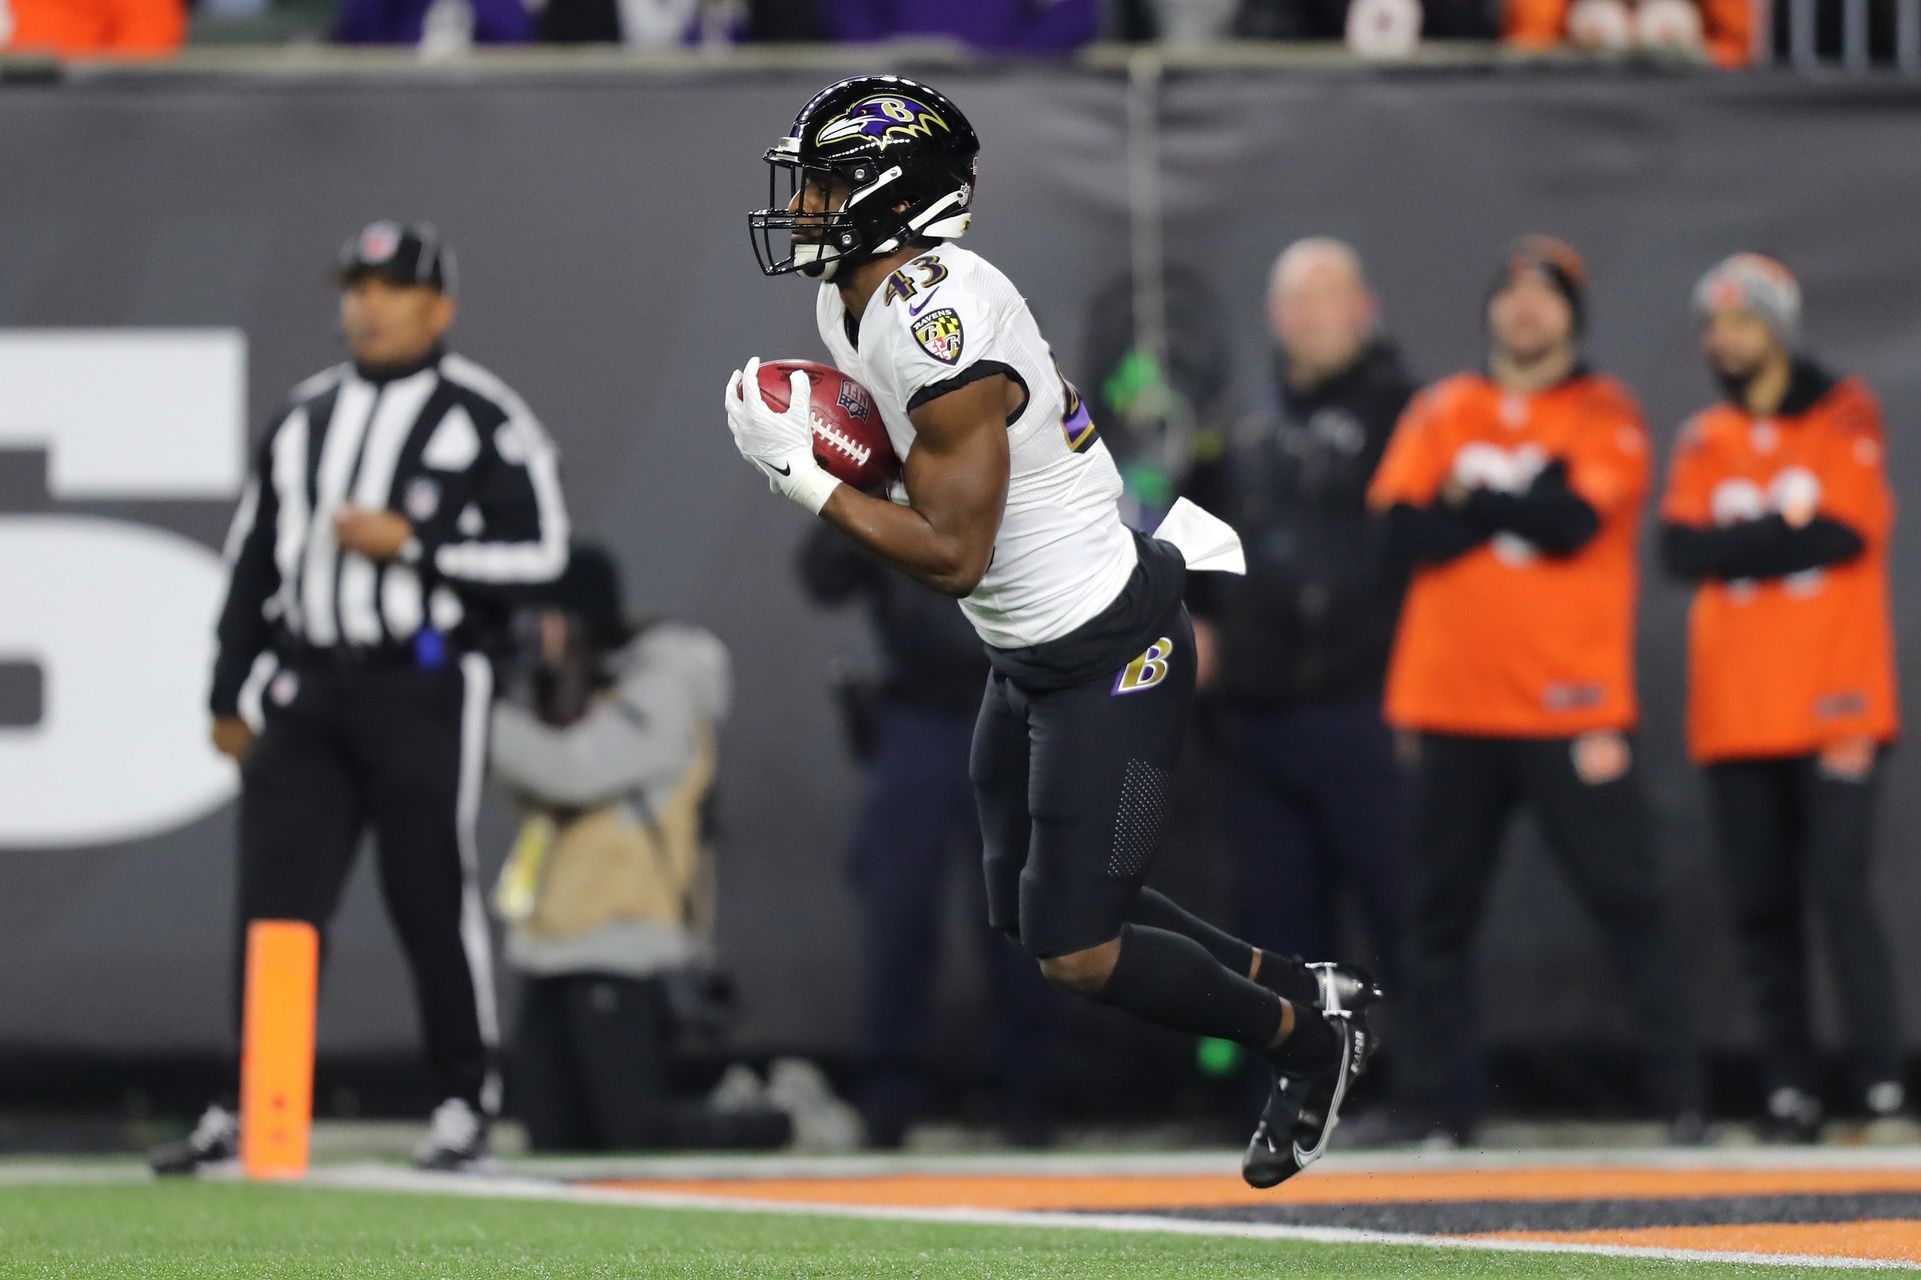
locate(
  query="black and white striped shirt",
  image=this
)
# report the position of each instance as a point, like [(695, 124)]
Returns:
[(445, 444)]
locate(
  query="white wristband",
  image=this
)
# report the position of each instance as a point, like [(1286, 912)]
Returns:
[(811, 487)]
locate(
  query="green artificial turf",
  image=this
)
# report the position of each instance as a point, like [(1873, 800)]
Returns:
[(205, 1231)]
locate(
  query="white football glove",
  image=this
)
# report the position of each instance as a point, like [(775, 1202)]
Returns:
[(780, 444)]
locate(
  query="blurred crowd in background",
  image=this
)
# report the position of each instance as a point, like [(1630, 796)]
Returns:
[(1718, 31)]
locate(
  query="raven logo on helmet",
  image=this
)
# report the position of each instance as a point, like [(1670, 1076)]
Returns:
[(883, 116), (873, 164)]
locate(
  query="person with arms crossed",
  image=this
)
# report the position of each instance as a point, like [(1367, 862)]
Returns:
[(390, 509), (1515, 494), (1011, 505), (1778, 508)]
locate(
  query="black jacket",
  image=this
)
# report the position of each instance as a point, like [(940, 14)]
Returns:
[(932, 659), (442, 442), (1314, 618)]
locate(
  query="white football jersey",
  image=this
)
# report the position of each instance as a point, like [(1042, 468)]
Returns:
[(948, 318)]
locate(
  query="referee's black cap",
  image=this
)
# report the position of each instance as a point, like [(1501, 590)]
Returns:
[(402, 252)]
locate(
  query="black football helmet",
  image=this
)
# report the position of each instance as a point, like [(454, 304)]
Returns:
[(904, 149)]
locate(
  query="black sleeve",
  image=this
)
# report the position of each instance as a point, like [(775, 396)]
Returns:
[(1550, 514), (524, 524), (1766, 548), (833, 568), (252, 578), (1430, 535)]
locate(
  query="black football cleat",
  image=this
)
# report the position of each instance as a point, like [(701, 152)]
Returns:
[(1350, 987), (215, 1140), (1345, 986), (1302, 1111), (456, 1141)]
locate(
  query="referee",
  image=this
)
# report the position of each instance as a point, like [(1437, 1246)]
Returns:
[(391, 510)]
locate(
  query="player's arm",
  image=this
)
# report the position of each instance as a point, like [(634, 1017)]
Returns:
[(956, 478)]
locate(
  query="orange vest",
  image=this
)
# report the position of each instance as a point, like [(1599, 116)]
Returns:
[(1505, 641), (1789, 666), (1727, 26), (91, 28)]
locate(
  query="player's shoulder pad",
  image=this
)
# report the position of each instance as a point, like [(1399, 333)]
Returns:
[(933, 305)]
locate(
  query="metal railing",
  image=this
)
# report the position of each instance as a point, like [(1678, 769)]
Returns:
[(1802, 19)]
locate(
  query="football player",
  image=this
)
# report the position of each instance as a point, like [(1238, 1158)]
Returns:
[(1009, 502)]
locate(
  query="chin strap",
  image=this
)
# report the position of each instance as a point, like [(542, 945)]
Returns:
[(929, 222)]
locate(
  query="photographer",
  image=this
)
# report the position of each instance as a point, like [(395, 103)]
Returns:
[(608, 892)]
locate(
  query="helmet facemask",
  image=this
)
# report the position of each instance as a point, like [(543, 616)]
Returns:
[(874, 219), (818, 241)]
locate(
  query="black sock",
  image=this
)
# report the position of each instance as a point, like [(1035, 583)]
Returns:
[(1171, 980), (1158, 911), (1285, 976), (1290, 978), (1311, 1047)]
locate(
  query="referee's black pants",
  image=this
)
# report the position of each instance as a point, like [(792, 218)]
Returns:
[(1793, 833), (1587, 798), (399, 749)]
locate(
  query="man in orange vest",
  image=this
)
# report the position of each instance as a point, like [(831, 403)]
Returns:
[(1515, 495), (1778, 507), (92, 28)]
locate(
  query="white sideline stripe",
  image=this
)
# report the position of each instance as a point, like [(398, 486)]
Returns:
[(382, 1178), (48, 1173)]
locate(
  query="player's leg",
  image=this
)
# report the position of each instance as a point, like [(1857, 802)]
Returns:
[(1755, 819), (299, 825), (1587, 793), (1103, 758), (424, 739), (1098, 786), (1838, 797), (899, 862), (1464, 792)]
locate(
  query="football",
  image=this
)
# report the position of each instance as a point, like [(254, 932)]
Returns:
[(849, 440)]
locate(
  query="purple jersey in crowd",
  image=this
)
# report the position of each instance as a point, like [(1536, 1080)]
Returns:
[(400, 21), (1039, 26)]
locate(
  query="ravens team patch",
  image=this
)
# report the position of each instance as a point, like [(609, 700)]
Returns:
[(939, 335)]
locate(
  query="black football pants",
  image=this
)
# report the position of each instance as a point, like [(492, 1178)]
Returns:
[(1466, 789), (1791, 834), (399, 750)]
